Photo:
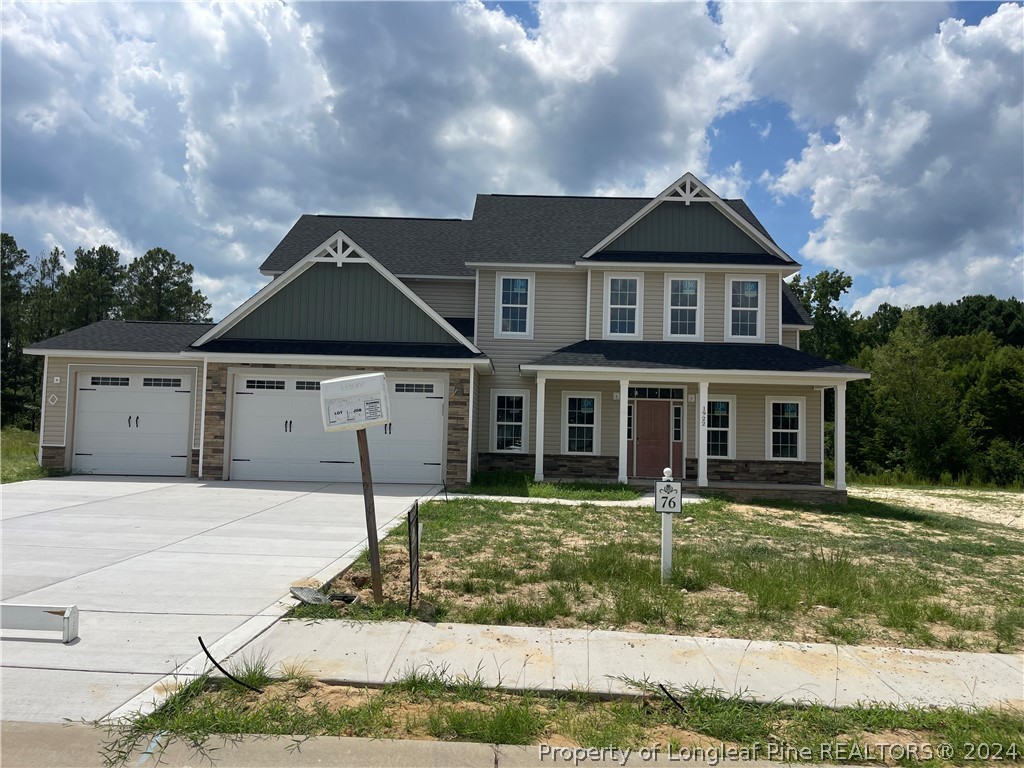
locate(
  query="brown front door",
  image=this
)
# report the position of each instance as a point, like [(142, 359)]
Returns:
[(652, 436)]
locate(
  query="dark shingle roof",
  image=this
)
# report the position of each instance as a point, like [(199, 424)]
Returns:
[(533, 229), (707, 356), (404, 246), (127, 336), (793, 312), (339, 348)]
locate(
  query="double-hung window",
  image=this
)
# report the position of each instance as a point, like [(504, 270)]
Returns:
[(784, 438), (721, 427), (683, 307), (581, 422), (513, 305), (745, 303), (623, 306), (510, 411)]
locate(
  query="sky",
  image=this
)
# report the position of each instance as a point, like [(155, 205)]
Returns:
[(884, 139)]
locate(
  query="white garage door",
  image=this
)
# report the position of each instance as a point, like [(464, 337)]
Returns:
[(277, 433), (132, 424)]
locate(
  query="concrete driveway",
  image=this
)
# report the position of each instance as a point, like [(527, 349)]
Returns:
[(154, 563)]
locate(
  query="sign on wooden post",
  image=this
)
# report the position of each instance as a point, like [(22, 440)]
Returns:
[(355, 403)]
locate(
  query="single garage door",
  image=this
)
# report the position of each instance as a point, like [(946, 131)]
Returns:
[(278, 434), (132, 424)]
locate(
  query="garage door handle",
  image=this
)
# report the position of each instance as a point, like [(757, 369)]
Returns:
[(136, 421), (129, 422)]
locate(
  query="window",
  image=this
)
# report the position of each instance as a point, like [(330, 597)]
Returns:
[(110, 381), (656, 393), (677, 423), (785, 435), (264, 384), (427, 389), (745, 301), (513, 305), (510, 410), (151, 381), (721, 427), (307, 386), (581, 422), (622, 310), (629, 421), (683, 311)]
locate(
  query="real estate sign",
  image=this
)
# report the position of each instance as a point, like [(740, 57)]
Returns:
[(354, 402)]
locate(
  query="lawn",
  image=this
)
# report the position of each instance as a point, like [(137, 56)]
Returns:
[(871, 572), (523, 485), (429, 704), (18, 456)]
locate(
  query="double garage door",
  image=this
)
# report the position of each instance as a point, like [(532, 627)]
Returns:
[(132, 424), (277, 433)]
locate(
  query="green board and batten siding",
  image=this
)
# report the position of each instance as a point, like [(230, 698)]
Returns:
[(680, 228), (349, 303)]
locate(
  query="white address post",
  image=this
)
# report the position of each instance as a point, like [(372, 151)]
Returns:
[(355, 403), (668, 499)]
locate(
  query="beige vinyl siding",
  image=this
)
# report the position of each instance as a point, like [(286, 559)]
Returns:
[(558, 321), (609, 413), (60, 414), (750, 417), (449, 298), (596, 304), (791, 338)]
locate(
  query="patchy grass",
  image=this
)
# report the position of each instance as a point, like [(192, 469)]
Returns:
[(18, 456), (521, 484), (869, 572), (430, 704)]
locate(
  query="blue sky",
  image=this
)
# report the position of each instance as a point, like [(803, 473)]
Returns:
[(880, 138)]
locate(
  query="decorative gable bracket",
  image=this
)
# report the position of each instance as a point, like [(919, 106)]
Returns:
[(338, 249), (687, 190)]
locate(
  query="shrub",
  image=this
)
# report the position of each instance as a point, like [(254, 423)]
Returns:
[(1005, 462)]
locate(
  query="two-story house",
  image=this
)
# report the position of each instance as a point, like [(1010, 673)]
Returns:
[(569, 337)]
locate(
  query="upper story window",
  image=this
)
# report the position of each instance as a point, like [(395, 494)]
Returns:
[(684, 311), (513, 305), (744, 301), (623, 306)]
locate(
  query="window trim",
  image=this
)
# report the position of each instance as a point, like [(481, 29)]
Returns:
[(761, 308), (666, 330), (531, 300), (564, 418), (801, 433), (606, 301), (525, 394), (731, 437)]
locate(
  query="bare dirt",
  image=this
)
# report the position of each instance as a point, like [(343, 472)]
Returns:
[(987, 506)]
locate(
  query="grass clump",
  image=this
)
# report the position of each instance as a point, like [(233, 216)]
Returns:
[(506, 483), (19, 452)]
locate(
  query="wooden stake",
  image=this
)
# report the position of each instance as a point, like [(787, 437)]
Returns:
[(371, 516)]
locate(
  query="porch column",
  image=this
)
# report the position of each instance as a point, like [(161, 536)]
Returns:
[(702, 435), (623, 420), (840, 436), (538, 433)]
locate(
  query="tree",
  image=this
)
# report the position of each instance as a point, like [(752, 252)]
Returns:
[(92, 288), (832, 335), (158, 286), (15, 276)]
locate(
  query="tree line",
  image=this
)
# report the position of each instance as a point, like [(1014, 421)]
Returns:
[(945, 402), (40, 299)]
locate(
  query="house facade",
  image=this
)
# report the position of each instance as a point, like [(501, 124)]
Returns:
[(567, 337)]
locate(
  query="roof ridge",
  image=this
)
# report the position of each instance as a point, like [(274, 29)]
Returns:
[(162, 322), (377, 218), (566, 197)]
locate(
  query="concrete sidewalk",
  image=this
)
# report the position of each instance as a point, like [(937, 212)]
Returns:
[(528, 658)]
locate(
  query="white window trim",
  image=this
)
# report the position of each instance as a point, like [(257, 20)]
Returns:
[(667, 334), (531, 301), (608, 277), (565, 423), (729, 280), (801, 438), (731, 442), (525, 394)]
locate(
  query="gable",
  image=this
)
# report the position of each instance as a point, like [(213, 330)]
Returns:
[(330, 303), (675, 227)]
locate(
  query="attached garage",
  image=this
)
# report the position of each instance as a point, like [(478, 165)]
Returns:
[(132, 423), (277, 432)]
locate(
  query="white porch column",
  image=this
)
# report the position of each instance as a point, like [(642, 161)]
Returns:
[(538, 433), (702, 435), (840, 436), (623, 419)]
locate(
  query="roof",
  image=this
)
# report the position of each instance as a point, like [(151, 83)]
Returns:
[(707, 356), (404, 246), (793, 312), (339, 348), (533, 229), (127, 336)]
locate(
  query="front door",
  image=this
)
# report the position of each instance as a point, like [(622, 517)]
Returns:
[(652, 437)]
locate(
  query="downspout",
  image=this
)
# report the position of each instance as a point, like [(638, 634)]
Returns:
[(42, 408), (202, 421)]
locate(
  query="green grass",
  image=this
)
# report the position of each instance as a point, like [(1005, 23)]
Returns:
[(521, 484), (430, 703), (18, 456)]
